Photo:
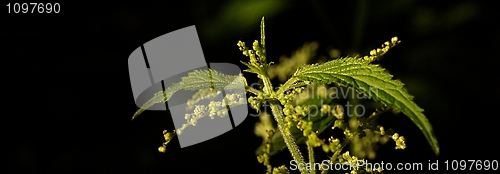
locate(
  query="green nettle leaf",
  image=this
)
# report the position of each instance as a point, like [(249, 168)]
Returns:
[(374, 82), (196, 80), (252, 69)]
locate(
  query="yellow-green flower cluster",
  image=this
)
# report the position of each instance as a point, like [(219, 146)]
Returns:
[(288, 98), (348, 134), (168, 137), (256, 54), (365, 146), (281, 170), (255, 102), (333, 145), (312, 137), (400, 141), (339, 124), (214, 108), (201, 95), (243, 48), (296, 112), (264, 158), (338, 112), (293, 114), (353, 161), (347, 158), (376, 53)]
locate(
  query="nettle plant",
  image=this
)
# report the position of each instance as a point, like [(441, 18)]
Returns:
[(307, 112)]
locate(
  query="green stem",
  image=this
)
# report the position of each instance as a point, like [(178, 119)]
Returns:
[(288, 84), (287, 136), (253, 90), (310, 150), (280, 119), (275, 105), (268, 86)]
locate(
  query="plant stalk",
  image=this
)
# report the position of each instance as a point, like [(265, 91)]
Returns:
[(287, 136), (310, 151)]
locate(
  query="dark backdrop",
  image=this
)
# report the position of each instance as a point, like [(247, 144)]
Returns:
[(68, 101)]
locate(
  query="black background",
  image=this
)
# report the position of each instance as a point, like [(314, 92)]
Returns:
[(68, 101)]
